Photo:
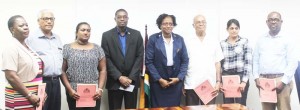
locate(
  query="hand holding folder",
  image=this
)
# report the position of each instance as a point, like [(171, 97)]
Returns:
[(86, 93), (267, 92), (204, 91)]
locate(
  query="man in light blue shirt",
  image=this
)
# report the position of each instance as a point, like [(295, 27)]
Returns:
[(49, 47), (275, 58)]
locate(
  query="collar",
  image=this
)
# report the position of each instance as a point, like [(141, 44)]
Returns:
[(21, 46), (279, 35), (161, 35), (165, 39), (39, 33), (126, 31), (239, 38)]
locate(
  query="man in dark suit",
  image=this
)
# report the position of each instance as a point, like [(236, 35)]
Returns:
[(124, 51)]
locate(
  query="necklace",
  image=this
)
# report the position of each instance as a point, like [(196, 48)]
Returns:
[(81, 43)]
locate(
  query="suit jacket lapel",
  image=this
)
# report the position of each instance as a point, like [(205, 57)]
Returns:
[(175, 45), (116, 40), (161, 44), (128, 39)]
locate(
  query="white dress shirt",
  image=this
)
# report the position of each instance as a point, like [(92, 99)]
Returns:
[(203, 55), (273, 55), (169, 50)]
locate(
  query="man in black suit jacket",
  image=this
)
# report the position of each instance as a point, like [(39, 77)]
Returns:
[(124, 51)]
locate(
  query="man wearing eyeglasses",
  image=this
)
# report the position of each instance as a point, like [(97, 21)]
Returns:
[(49, 47), (205, 55), (274, 58)]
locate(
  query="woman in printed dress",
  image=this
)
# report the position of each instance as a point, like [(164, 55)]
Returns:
[(22, 68), (84, 63)]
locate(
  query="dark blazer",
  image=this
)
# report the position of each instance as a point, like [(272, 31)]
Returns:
[(297, 80), (119, 65), (156, 58)]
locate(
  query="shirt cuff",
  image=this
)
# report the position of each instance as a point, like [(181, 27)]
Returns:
[(285, 80), (255, 76), (245, 79)]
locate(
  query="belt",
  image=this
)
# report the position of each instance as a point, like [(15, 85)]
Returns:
[(272, 75), (51, 78), (231, 72)]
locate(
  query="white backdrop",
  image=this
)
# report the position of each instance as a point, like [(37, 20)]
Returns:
[(252, 15)]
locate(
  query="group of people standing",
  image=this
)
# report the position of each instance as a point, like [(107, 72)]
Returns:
[(28, 62), (176, 66)]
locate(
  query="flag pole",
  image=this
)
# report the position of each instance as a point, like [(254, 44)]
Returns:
[(142, 88)]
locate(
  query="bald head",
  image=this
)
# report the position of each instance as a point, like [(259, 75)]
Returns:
[(199, 18), (274, 13), (274, 22), (200, 25)]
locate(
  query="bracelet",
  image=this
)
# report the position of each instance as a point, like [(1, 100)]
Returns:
[(218, 81), (29, 95)]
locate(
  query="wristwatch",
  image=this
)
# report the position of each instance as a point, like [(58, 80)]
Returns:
[(29, 95)]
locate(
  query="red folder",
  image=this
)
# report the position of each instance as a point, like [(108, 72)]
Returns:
[(42, 95), (86, 93), (231, 85), (266, 94), (204, 91)]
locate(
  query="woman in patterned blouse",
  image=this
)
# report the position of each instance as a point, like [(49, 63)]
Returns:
[(237, 59), (84, 63)]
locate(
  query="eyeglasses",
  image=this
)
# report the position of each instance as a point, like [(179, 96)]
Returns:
[(48, 18), (276, 20), (122, 17), (200, 22), (167, 24)]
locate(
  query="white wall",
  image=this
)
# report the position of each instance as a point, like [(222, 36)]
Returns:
[(251, 14)]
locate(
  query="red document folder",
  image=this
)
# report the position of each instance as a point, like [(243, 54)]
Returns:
[(42, 95), (204, 91), (266, 94), (86, 93), (231, 85)]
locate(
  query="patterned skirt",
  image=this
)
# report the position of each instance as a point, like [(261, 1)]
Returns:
[(15, 100)]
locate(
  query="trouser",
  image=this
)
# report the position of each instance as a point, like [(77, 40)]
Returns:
[(115, 99), (192, 98), (53, 101)]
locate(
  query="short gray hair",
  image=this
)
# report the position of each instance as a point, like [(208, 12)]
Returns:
[(40, 14)]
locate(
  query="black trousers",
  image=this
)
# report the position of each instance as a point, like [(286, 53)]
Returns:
[(72, 104), (53, 101), (115, 99), (192, 98)]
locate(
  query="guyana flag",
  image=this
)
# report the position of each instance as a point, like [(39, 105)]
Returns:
[(144, 101)]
